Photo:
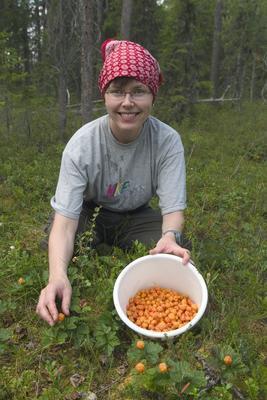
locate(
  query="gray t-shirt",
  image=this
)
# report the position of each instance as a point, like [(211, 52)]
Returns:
[(121, 177)]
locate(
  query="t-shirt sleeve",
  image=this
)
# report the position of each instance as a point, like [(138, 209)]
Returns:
[(171, 187), (71, 185)]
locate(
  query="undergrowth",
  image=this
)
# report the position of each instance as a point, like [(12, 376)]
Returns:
[(92, 352)]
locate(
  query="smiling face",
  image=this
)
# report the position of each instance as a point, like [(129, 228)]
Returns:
[(127, 113)]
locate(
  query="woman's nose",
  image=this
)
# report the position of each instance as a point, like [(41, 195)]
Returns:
[(127, 99)]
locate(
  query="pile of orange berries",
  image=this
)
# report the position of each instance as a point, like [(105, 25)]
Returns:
[(160, 309)]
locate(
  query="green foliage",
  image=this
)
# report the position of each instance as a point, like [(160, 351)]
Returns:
[(247, 20), (226, 173), (253, 388), (106, 333), (111, 23), (86, 239), (10, 61), (182, 50), (178, 33), (150, 353), (221, 392), (5, 335), (179, 373), (227, 372), (146, 24)]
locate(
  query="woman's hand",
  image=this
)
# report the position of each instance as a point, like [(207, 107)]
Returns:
[(57, 287), (168, 245)]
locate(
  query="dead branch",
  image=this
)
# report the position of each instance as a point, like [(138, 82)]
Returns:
[(219, 99)]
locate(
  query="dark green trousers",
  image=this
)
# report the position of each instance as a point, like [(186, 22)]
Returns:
[(118, 229), (121, 229)]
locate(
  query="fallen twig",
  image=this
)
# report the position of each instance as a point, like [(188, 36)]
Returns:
[(213, 379)]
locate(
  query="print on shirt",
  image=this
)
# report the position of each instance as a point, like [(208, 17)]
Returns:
[(117, 189)]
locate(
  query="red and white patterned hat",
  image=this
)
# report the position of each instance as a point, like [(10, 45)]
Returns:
[(122, 58)]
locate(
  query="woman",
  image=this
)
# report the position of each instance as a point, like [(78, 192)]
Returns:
[(118, 162)]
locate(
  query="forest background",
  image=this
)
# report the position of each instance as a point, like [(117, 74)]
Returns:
[(213, 55), (50, 55)]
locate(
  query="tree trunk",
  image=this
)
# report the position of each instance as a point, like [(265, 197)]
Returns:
[(62, 86), (215, 63), (87, 77), (253, 77), (45, 6), (126, 16), (26, 48), (8, 115), (62, 100), (100, 19), (240, 69), (38, 29)]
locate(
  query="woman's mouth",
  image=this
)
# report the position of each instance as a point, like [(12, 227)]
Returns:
[(128, 116)]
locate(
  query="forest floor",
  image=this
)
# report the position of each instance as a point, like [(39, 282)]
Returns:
[(91, 354)]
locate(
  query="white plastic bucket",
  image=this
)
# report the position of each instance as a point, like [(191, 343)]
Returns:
[(162, 270)]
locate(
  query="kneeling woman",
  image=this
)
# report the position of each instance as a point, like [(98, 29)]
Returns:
[(117, 163)]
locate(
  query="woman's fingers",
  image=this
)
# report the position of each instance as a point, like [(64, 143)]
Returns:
[(186, 256), (171, 248), (46, 307), (66, 298)]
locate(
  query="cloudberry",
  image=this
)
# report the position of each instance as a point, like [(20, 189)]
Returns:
[(61, 317), (163, 367), (140, 344), (140, 367), (227, 360)]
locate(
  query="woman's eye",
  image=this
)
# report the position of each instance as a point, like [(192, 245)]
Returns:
[(138, 92)]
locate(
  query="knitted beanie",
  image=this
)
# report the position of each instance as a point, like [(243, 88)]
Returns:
[(122, 58)]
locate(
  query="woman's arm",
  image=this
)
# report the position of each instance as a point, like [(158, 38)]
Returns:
[(173, 221), (60, 250), (167, 243)]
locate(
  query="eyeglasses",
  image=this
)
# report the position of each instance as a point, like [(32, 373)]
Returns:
[(135, 94)]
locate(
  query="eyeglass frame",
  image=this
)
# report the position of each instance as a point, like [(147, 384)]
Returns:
[(121, 94)]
